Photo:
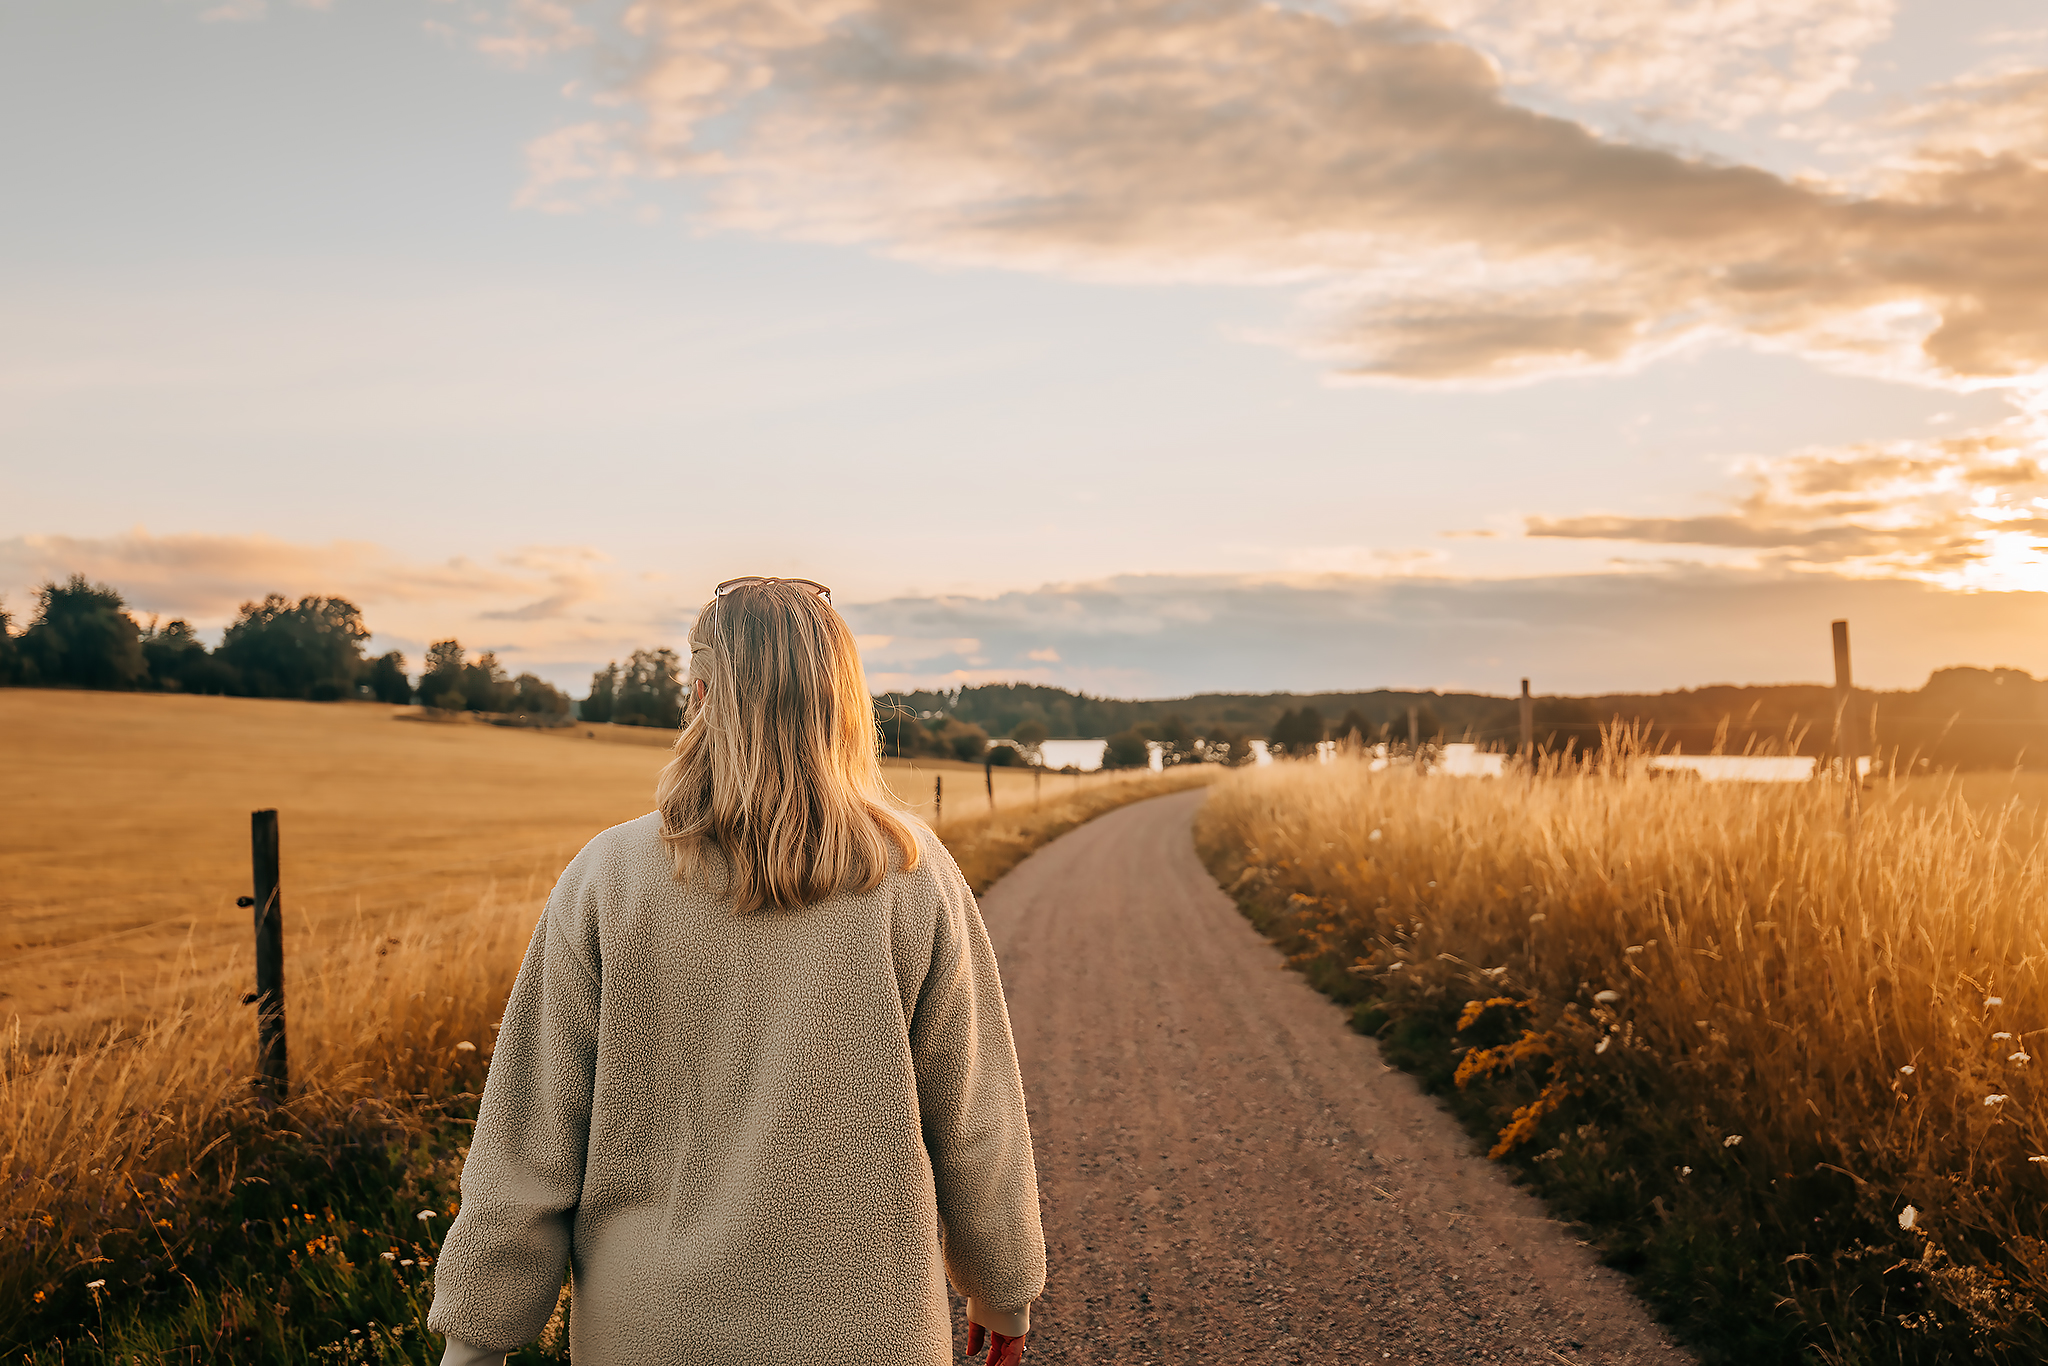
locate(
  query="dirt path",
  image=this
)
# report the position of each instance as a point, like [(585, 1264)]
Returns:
[(1229, 1173)]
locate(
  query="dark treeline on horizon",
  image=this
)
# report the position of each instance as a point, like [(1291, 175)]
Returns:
[(83, 636)]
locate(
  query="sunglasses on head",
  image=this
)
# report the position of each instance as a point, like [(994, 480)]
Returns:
[(752, 579)]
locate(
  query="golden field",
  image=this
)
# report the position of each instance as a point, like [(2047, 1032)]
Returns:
[(416, 859), (1792, 1080), (127, 819)]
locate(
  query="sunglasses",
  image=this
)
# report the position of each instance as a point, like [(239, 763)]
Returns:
[(752, 579)]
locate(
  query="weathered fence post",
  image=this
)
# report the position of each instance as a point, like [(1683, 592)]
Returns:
[(1528, 728), (988, 776), (272, 1072), (1037, 772), (1846, 746), (938, 800)]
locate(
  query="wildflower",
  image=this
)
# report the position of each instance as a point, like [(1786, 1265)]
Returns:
[(1907, 1070), (1685, 1171), (1908, 1217), (1374, 835), (2003, 1034), (1994, 1000), (1731, 1140), (2043, 1158), (1996, 1100), (1633, 948), (425, 1215), (1605, 1039), (1538, 918), (2022, 1058), (95, 1285), (1606, 997), (405, 1261), (465, 1047), (389, 1256)]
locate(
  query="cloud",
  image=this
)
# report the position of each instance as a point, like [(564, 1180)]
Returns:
[(1968, 511), (1171, 635), (1437, 230)]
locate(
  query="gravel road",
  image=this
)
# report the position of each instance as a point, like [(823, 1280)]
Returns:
[(1229, 1173)]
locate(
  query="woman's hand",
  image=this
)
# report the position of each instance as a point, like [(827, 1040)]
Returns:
[(1002, 1351)]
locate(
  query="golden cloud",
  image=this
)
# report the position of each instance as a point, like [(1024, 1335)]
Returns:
[(1438, 230)]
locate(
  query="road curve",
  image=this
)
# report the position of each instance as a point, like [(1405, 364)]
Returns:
[(1229, 1173)]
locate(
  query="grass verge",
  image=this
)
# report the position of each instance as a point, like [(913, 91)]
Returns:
[(151, 1212), (1783, 1079)]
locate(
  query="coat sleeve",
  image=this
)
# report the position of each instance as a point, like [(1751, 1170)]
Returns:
[(971, 1099), (502, 1263)]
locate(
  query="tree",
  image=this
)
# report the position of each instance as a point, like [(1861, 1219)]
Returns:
[(966, 741), (650, 690), (1354, 723), (484, 684), (175, 654), (10, 651), (604, 694), (312, 648), (1029, 735), (82, 636), (1297, 733), (386, 680), (1127, 749), (441, 681), (532, 696)]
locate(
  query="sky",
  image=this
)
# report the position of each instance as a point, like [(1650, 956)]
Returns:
[(1145, 349)]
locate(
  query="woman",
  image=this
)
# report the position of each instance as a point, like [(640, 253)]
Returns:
[(755, 1083)]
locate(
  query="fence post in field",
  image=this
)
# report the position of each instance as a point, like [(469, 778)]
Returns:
[(271, 1071), (1415, 737), (1528, 728), (1037, 772), (1846, 745), (938, 799), (988, 777)]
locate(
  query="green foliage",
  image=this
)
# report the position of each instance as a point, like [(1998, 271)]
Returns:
[(1297, 733), (650, 690), (968, 742), (310, 649), (81, 636), (604, 694), (1030, 734), (10, 650), (1127, 749), (533, 696), (385, 677)]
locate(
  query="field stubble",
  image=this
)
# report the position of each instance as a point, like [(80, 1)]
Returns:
[(149, 1208), (1789, 1081)]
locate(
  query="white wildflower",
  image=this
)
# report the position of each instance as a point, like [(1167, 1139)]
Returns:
[(1907, 1070), (2022, 1058), (1996, 1100), (1908, 1217), (1606, 998), (1685, 1171), (389, 1256), (1538, 918), (1731, 1140), (95, 1285), (405, 1261), (465, 1047), (1994, 1000), (427, 1214), (2003, 1034), (1605, 1039), (1633, 948), (2042, 1158)]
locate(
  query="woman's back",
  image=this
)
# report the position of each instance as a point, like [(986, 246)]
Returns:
[(755, 1134)]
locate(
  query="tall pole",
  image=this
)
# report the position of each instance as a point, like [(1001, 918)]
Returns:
[(271, 1071), (988, 777), (1846, 746), (1528, 726), (938, 800)]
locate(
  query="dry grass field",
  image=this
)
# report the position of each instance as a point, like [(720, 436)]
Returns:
[(1792, 1081), (127, 819), (150, 1210)]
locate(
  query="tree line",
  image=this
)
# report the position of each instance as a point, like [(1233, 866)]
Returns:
[(83, 636)]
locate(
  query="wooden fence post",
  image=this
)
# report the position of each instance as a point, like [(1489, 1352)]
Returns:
[(1528, 727), (988, 776), (938, 800), (272, 1072), (1846, 737)]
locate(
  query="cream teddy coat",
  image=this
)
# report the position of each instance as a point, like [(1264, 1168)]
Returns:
[(761, 1138)]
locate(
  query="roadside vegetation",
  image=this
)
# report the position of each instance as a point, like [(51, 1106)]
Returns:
[(152, 1211), (1789, 1080)]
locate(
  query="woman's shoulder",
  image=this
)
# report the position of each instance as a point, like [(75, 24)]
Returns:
[(629, 848)]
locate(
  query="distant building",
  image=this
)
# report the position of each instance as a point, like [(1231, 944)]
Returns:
[(1085, 755)]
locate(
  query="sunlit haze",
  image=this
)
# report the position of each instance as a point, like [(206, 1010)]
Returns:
[(1619, 343)]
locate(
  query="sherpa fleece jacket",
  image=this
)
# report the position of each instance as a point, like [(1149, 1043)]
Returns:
[(765, 1137)]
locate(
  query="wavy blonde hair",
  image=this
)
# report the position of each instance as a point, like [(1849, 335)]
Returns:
[(776, 767)]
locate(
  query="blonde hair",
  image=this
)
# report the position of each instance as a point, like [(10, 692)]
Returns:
[(776, 767)]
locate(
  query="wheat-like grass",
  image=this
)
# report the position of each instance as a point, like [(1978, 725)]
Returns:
[(1875, 1005)]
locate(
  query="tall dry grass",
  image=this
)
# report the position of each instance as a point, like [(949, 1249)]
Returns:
[(114, 1149), (1791, 1077)]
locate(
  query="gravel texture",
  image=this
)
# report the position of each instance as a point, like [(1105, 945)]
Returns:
[(1228, 1172)]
